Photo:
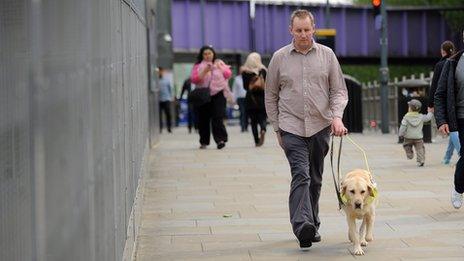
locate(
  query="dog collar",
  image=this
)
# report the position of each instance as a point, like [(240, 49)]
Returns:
[(372, 198), (344, 199)]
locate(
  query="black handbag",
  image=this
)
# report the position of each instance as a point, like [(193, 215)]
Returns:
[(199, 96)]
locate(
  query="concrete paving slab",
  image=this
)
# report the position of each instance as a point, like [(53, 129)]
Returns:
[(232, 204)]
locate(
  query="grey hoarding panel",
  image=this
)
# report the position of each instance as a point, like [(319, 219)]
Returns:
[(73, 127)]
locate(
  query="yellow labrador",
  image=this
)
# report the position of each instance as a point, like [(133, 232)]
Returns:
[(358, 194)]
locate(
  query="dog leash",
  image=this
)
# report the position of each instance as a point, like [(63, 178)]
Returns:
[(336, 182), (341, 199)]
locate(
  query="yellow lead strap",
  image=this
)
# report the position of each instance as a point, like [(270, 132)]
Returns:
[(362, 150)]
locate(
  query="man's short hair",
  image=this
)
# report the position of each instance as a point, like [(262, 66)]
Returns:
[(302, 14)]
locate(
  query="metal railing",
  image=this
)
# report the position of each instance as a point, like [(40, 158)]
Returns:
[(371, 103)]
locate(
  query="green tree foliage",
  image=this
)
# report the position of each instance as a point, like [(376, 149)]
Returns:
[(369, 73), (454, 18)]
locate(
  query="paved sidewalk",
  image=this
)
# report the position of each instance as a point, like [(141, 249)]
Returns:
[(232, 204)]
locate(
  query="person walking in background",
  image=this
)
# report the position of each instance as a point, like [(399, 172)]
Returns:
[(449, 113), (191, 122), (411, 131), (254, 77), (447, 49), (240, 94), (305, 97), (165, 98), (210, 72)]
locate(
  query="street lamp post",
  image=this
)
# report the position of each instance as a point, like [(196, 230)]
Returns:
[(384, 72), (202, 14), (327, 15)]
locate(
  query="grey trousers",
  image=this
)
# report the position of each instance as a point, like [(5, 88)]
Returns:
[(306, 158)]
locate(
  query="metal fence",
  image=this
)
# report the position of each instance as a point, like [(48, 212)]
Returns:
[(73, 127), (371, 108)]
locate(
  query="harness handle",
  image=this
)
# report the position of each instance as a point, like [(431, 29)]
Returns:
[(362, 151), (337, 181)]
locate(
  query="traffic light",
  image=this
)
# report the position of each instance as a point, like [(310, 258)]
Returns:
[(376, 7)]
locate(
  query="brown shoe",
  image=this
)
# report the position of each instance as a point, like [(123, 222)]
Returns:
[(261, 138)]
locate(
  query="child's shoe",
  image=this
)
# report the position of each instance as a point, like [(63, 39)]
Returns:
[(409, 156)]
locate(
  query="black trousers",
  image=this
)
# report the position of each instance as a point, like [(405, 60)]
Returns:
[(257, 118), (459, 171), (306, 158), (165, 106), (211, 117), (191, 121)]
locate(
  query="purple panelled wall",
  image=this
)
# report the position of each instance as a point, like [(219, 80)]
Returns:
[(271, 27), (434, 25), (395, 34), (414, 33), (186, 31), (228, 27), (355, 29), (404, 34), (372, 36), (337, 23), (241, 27)]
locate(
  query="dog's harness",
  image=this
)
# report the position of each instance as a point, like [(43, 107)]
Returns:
[(342, 200)]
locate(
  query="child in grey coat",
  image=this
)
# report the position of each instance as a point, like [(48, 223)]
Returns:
[(411, 131)]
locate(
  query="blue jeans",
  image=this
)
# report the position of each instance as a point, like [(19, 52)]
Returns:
[(453, 144), (243, 114)]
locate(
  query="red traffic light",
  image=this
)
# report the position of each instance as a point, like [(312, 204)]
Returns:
[(376, 7)]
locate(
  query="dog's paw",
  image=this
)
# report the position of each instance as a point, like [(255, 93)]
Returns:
[(363, 243), (369, 238), (357, 250)]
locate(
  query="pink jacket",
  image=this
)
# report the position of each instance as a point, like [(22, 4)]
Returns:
[(217, 79)]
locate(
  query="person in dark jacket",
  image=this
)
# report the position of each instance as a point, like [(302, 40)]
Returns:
[(187, 88), (447, 49), (449, 113), (254, 76)]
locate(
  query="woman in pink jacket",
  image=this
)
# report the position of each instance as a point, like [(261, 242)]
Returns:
[(210, 72)]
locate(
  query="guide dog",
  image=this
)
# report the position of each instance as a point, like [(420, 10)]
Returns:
[(358, 194)]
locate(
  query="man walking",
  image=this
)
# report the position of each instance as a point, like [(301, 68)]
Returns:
[(165, 97), (305, 97), (240, 94), (449, 113)]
